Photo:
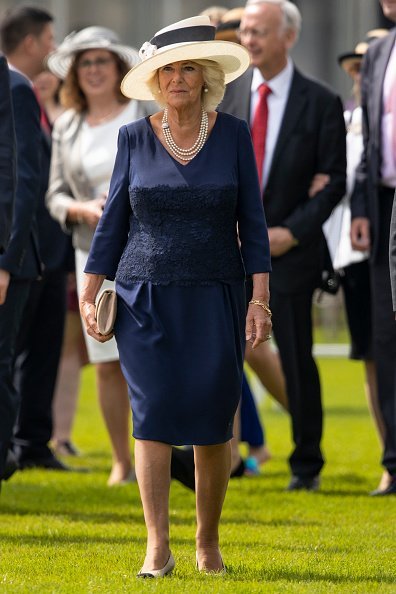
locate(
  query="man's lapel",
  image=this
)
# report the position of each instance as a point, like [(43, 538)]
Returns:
[(294, 108), (376, 88)]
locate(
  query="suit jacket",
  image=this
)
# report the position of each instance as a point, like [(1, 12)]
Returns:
[(311, 140), (7, 156), (392, 254), (364, 199), (22, 257)]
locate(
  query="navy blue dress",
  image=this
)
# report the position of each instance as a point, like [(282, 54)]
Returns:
[(168, 235)]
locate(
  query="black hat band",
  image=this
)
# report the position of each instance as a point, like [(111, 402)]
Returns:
[(184, 35)]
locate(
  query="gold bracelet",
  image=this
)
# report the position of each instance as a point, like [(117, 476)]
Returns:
[(261, 304)]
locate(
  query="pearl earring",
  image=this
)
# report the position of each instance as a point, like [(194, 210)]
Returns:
[(206, 90), (159, 91)]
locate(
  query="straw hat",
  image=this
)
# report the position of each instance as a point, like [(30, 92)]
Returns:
[(227, 29), (61, 59), (349, 59), (190, 39)]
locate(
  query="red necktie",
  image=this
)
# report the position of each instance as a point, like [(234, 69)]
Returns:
[(44, 121), (259, 128)]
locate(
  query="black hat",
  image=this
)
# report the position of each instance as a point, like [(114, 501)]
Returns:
[(347, 59)]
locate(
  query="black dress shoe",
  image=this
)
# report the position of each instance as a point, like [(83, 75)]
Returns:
[(300, 483), (183, 467), (11, 465), (390, 489), (49, 463), (239, 470)]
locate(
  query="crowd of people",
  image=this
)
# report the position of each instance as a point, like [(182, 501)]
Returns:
[(208, 182)]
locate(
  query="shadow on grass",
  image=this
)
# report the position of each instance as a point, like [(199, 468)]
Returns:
[(356, 485), (87, 517), (343, 493), (302, 576), (346, 411), (73, 516), (49, 541), (121, 518), (321, 549), (243, 519)]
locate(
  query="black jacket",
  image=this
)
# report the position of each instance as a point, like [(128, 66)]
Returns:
[(311, 140)]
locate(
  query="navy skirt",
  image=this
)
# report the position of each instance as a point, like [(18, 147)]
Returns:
[(181, 351)]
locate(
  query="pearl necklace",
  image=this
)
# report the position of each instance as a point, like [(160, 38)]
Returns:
[(181, 153)]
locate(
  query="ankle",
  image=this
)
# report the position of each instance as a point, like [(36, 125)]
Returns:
[(157, 554), (208, 558), (207, 543), (261, 454)]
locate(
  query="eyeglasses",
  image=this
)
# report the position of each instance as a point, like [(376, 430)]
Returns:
[(99, 62), (243, 33)]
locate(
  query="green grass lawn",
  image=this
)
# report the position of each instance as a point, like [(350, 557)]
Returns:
[(69, 533)]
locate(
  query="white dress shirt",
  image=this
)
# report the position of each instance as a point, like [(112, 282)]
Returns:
[(280, 87)]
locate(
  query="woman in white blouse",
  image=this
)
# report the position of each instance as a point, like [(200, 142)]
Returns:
[(93, 63)]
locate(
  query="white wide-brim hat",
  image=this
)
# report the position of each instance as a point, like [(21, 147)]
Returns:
[(60, 60), (190, 39)]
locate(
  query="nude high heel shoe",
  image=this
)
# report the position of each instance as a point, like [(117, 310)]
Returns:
[(159, 573)]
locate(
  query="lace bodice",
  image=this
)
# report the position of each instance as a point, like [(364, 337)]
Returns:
[(185, 235)]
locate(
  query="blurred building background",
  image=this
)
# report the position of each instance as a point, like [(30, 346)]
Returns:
[(330, 27)]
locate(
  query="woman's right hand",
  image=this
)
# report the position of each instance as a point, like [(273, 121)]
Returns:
[(91, 286), (4, 282), (90, 212), (87, 310)]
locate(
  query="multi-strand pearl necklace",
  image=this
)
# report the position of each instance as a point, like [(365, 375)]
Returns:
[(181, 153)]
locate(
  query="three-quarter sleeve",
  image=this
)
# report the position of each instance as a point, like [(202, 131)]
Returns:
[(111, 234), (252, 226), (59, 195)]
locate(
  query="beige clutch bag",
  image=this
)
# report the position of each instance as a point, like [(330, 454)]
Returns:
[(106, 311)]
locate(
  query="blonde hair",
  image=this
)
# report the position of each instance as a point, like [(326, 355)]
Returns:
[(213, 76)]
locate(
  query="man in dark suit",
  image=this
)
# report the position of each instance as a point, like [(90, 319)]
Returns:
[(41, 331), (305, 136), (40, 340), (7, 160), (7, 197), (371, 205), (26, 38), (392, 254)]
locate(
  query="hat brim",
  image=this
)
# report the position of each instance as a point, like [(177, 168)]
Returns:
[(232, 58), (347, 61), (349, 57), (60, 61)]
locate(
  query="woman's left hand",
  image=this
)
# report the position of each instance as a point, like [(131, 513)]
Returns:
[(258, 325)]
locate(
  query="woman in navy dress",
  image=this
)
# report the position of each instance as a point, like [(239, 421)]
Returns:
[(184, 188)]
